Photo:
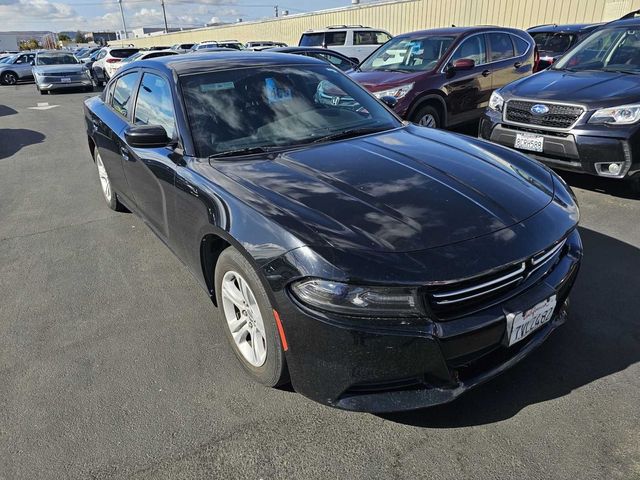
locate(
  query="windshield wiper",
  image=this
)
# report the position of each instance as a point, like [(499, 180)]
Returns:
[(620, 70), (352, 132), (242, 151)]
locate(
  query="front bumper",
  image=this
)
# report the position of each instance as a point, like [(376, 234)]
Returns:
[(47, 85), (366, 366), (584, 149)]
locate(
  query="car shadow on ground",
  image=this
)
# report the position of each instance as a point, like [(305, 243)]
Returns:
[(4, 111), (12, 140), (601, 337), (609, 186)]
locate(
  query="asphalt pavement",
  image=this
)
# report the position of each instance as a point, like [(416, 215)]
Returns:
[(113, 363)]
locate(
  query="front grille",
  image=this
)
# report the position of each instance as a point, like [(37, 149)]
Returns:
[(558, 116), (457, 298)]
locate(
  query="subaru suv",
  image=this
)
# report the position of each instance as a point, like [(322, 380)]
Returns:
[(583, 113)]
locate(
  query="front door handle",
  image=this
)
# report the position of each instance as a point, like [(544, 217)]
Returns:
[(486, 73), (124, 153), (517, 65)]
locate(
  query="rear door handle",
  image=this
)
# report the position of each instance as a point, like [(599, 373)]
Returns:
[(517, 65), (486, 73), (124, 153)]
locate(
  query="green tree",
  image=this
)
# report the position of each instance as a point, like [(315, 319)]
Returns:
[(31, 44), (80, 38), (63, 37)]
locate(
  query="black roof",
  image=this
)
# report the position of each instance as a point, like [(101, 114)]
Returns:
[(630, 22), (569, 28), (202, 62), (304, 49)]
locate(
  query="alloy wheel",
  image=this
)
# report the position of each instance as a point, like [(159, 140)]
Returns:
[(427, 120), (244, 319), (10, 78), (105, 183)]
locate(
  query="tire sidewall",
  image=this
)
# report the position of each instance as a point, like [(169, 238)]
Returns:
[(113, 203), (272, 372), (428, 110)]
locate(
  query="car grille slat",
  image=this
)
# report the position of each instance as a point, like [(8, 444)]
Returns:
[(455, 298), (559, 116)]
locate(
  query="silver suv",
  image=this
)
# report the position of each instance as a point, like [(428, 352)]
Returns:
[(17, 68)]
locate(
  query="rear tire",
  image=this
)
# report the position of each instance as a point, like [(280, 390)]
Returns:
[(245, 308), (8, 78), (110, 196), (427, 116)]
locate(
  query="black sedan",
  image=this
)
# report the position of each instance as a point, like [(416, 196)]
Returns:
[(336, 59), (377, 266)]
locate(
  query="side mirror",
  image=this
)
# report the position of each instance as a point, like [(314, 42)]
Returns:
[(146, 136), (355, 61), (464, 64), (32, 62), (389, 101)]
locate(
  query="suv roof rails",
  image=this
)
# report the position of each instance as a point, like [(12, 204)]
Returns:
[(630, 15), (346, 26)]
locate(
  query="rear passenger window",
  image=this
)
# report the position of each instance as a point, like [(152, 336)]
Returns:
[(368, 37), (122, 93), (154, 105), (472, 48), (521, 45), (501, 46), (335, 39)]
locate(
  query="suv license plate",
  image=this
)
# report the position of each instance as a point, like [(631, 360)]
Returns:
[(525, 323), (529, 141), (65, 80)]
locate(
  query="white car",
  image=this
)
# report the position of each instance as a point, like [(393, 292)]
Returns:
[(144, 55), (107, 62), (231, 44), (263, 45), (354, 41)]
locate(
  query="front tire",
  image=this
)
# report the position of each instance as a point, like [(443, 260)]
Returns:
[(110, 196), (248, 320), (9, 78), (427, 116)]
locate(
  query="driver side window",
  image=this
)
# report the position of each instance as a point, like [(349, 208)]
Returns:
[(472, 48)]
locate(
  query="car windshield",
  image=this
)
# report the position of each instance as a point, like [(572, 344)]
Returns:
[(56, 59), (611, 49), (553, 43), (408, 54), (7, 59), (276, 107)]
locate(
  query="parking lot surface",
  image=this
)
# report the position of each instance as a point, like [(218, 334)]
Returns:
[(113, 364)]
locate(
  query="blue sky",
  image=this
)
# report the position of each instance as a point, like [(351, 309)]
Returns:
[(57, 15)]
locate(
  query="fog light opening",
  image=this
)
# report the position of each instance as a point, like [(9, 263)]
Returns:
[(611, 169)]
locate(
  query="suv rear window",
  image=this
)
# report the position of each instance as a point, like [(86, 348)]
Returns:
[(554, 43), (312, 40), (123, 52)]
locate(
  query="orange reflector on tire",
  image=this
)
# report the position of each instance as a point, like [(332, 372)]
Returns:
[(283, 339)]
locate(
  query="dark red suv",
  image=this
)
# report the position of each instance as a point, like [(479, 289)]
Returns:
[(443, 77)]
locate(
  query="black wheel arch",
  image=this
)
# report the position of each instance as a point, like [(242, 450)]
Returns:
[(435, 98)]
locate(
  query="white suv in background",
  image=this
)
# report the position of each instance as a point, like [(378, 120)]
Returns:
[(354, 41), (107, 62)]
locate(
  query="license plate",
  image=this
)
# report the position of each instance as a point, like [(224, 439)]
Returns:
[(529, 141), (525, 323), (65, 80)]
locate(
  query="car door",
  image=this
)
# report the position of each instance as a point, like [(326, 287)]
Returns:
[(150, 172), (22, 65), (505, 64), (108, 124), (468, 91)]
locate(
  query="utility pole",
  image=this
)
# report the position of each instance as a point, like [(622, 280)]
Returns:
[(164, 14), (275, 7), (124, 24)]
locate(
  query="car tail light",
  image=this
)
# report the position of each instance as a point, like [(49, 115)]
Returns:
[(113, 60)]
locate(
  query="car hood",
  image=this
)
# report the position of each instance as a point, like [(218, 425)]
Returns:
[(378, 80), (70, 68), (593, 89), (403, 190)]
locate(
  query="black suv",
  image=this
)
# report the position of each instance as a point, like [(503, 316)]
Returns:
[(583, 113)]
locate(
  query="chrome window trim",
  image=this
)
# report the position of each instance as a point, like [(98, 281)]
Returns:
[(542, 127), (444, 65)]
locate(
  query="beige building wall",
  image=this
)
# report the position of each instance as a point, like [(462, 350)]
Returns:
[(407, 15)]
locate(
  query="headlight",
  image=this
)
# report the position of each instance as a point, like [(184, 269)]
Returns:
[(397, 92), (356, 299), (622, 115), (496, 102)]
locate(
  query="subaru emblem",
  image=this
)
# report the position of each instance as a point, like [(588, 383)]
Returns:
[(539, 109)]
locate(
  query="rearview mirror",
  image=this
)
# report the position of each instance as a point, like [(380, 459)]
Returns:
[(464, 64), (389, 101), (146, 136)]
